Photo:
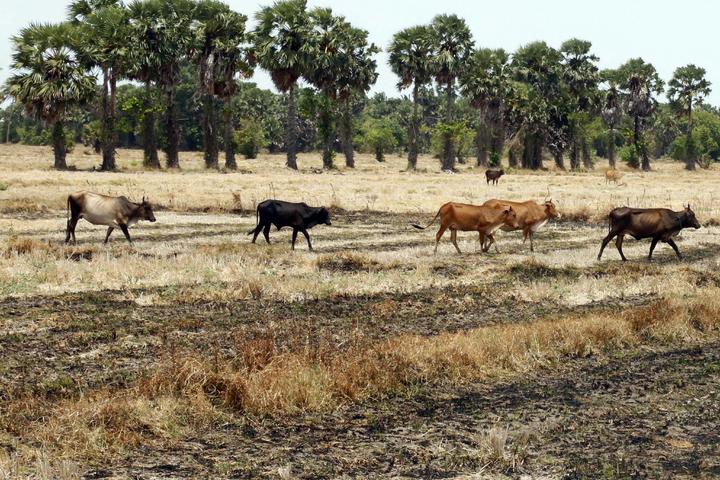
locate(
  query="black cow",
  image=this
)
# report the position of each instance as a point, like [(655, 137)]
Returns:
[(493, 176), (299, 216)]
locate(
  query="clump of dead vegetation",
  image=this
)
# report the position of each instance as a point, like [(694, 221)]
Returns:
[(21, 246), (23, 206), (349, 262), (533, 270)]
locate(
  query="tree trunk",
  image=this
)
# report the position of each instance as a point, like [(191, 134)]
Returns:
[(689, 144), (639, 148), (497, 138), (291, 133), (59, 147), (512, 158), (108, 121), (586, 156), (230, 162), (327, 129), (173, 130), (611, 149), (414, 130), (346, 132), (151, 159), (574, 154), (379, 154), (448, 163), (210, 140), (559, 160), (482, 139)]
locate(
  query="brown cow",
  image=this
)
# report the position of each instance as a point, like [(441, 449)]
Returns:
[(660, 224), (612, 176), (115, 212), (531, 216), (469, 218), (493, 176)]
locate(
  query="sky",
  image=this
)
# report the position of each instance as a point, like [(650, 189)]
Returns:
[(666, 33)]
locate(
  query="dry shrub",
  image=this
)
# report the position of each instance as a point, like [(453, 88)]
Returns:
[(255, 289), (348, 262), (533, 269), (23, 206), (25, 246), (644, 318)]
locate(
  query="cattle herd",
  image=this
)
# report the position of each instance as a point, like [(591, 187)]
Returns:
[(658, 224)]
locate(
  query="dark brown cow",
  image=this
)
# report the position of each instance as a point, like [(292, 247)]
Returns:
[(470, 218), (660, 224), (493, 176), (115, 212)]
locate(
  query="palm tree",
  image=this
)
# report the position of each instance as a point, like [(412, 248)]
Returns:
[(612, 114), (50, 81), (452, 42), (281, 45), (688, 87), (165, 35), (219, 35), (143, 66), (357, 75), (410, 53), (486, 84), (639, 81), (105, 30)]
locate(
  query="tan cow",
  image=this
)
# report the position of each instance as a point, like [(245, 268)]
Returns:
[(531, 216), (470, 218), (115, 212), (612, 176)]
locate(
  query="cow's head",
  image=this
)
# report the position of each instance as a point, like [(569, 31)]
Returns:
[(551, 210), (690, 221), (145, 212), (510, 218), (501, 172), (324, 216)]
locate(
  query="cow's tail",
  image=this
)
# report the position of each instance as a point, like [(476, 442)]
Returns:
[(257, 220), (426, 226)]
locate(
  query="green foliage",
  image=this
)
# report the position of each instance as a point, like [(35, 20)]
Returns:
[(377, 136), (630, 155), (250, 138), (461, 135), (704, 143)]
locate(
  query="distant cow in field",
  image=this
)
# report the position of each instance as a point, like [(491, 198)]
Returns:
[(531, 216), (115, 212), (493, 176), (613, 176), (299, 216), (470, 218), (660, 224)]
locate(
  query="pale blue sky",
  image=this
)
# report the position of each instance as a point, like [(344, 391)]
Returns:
[(667, 33)]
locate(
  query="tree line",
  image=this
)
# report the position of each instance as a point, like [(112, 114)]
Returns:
[(172, 74)]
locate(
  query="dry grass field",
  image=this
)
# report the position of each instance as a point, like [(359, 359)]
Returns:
[(195, 354)]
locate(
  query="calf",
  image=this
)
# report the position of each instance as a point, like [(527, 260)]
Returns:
[(115, 212), (612, 176), (660, 224), (493, 176), (467, 218), (299, 216), (531, 216)]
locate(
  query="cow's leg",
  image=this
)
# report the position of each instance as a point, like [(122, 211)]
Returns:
[(439, 235), (294, 237), (266, 233), (453, 238), (652, 247), (532, 244), (618, 244), (674, 246), (605, 241), (257, 231), (125, 231), (307, 237), (107, 235), (482, 239), (71, 224)]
